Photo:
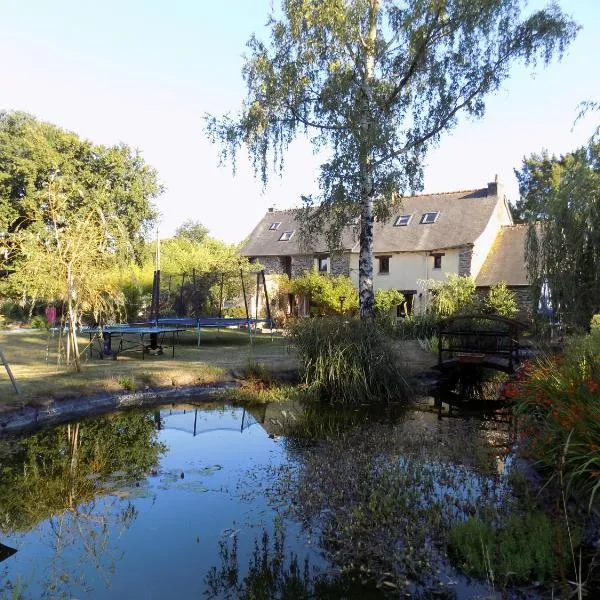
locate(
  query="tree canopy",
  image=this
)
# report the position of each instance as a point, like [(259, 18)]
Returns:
[(376, 82), (561, 199), (192, 230), (33, 152)]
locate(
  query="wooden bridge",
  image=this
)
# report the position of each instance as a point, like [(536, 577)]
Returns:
[(479, 339)]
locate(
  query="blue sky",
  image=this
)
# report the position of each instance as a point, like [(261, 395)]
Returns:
[(144, 72)]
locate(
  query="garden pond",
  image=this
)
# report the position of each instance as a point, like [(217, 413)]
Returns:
[(218, 501)]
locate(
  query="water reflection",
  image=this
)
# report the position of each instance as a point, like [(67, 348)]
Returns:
[(359, 511)]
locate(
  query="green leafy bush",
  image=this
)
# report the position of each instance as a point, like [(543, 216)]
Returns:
[(38, 322), (557, 398), (326, 291), (456, 295), (348, 361), (501, 301), (420, 327), (521, 550), (595, 324)]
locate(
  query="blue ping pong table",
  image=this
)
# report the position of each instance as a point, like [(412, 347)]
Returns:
[(114, 340)]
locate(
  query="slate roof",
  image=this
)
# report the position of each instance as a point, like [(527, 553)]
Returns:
[(506, 259), (462, 218)]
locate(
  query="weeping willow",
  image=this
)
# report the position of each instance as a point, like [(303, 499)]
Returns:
[(69, 256), (560, 197)]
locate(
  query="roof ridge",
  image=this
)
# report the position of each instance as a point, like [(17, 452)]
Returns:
[(445, 193)]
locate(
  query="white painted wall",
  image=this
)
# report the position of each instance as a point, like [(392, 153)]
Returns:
[(500, 216), (407, 270)]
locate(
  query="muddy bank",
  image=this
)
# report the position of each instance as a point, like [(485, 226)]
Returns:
[(37, 414)]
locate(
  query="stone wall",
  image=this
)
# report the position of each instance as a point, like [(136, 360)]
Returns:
[(272, 264), (522, 296), (339, 265), (301, 264), (464, 260)]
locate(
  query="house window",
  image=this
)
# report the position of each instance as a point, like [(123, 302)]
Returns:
[(402, 220), (275, 226), (286, 236), (384, 265), (437, 260), (323, 264), (429, 217)]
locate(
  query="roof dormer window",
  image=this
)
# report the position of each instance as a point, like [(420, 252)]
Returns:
[(429, 217), (286, 236), (402, 221), (275, 226)]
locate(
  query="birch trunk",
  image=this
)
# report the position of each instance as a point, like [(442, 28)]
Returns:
[(367, 190)]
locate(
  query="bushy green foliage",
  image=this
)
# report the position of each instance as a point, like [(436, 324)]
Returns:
[(115, 178), (455, 295), (419, 327), (557, 398), (595, 324), (325, 291), (348, 362), (560, 197), (521, 550), (388, 300), (38, 322), (501, 301)]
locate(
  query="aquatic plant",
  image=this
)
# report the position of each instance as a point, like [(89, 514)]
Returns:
[(348, 362), (521, 550), (557, 398)]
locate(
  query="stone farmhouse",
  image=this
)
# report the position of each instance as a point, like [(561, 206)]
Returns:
[(429, 236)]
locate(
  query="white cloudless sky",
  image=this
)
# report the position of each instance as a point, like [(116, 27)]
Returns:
[(145, 72)]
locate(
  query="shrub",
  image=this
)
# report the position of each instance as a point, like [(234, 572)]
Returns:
[(595, 324), (326, 291), (348, 362), (387, 300), (38, 322), (456, 295), (557, 397), (421, 327), (501, 301), (519, 551)]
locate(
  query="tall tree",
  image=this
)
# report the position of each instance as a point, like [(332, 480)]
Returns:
[(192, 230), (562, 197), (33, 152), (66, 255), (376, 82)]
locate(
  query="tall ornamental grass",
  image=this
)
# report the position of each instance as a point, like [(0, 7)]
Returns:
[(347, 362), (559, 400)]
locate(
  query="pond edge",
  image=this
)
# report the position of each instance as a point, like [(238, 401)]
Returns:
[(35, 415)]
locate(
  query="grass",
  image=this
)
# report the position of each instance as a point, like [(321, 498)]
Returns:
[(32, 356)]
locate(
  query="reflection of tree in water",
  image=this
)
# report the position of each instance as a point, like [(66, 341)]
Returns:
[(67, 475), (381, 498), (275, 573)]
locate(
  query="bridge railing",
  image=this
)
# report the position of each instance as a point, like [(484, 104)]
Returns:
[(477, 337)]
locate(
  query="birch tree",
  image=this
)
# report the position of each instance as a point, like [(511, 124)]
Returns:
[(375, 83), (69, 255)]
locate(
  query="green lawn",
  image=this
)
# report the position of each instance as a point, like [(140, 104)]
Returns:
[(32, 356)]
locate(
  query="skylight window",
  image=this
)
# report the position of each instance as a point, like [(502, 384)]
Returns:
[(275, 226), (429, 217), (402, 220), (286, 235)]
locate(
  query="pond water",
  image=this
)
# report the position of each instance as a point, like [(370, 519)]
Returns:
[(188, 501)]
